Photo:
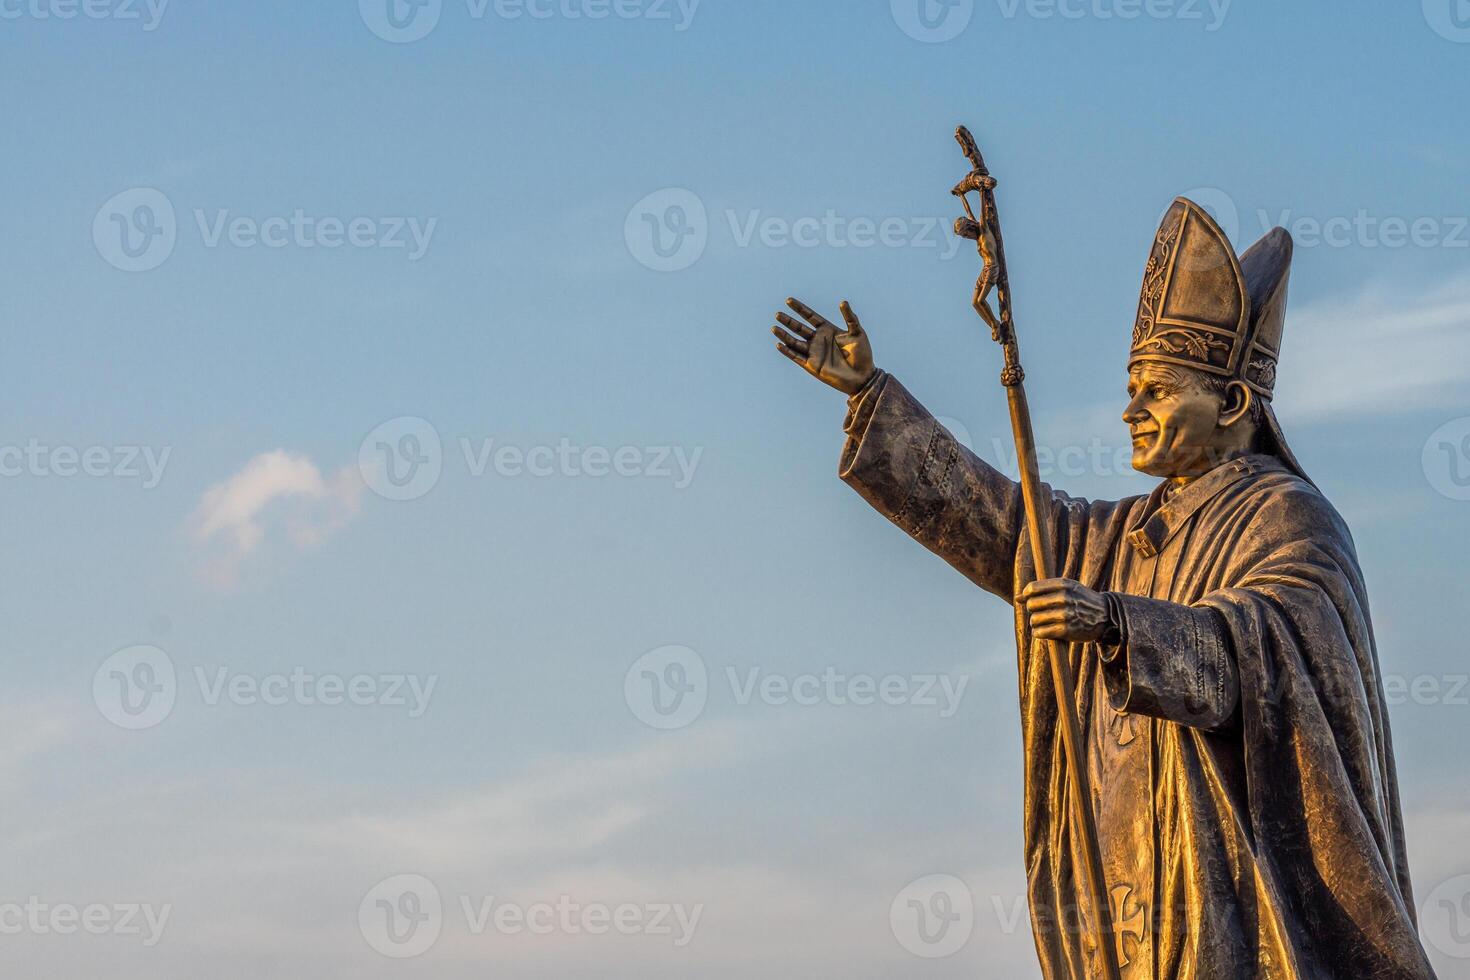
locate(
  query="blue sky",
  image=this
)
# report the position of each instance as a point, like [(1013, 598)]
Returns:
[(446, 240)]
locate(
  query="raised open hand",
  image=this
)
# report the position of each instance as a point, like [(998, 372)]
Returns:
[(842, 359)]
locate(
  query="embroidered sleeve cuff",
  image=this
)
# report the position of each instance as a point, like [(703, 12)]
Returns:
[(1173, 662)]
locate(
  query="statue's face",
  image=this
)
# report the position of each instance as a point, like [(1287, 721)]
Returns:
[(1174, 420)]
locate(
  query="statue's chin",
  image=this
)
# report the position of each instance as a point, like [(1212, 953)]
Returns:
[(1148, 463)]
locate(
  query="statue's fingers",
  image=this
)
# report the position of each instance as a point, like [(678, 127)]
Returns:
[(798, 345), (854, 325), (795, 326), (1047, 600), (812, 316), (1043, 587), (798, 358)]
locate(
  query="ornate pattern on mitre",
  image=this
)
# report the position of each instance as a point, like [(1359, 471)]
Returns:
[(1194, 309)]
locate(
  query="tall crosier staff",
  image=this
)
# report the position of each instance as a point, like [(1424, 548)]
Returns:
[(843, 359), (985, 232)]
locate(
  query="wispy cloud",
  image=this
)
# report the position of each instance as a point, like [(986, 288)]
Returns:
[(231, 520), (279, 866), (29, 730), (566, 806), (1387, 349)]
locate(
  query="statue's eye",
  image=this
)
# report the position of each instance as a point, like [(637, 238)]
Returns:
[(1158, 392)]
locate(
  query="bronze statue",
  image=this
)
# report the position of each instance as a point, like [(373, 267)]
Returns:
[(1210, 784)]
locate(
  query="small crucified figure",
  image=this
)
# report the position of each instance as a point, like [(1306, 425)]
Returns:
[(982, 232)]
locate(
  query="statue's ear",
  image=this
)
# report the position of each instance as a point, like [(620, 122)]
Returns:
[(1237, 404)]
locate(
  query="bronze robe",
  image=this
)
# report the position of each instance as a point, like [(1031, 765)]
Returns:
[(1238, 741)]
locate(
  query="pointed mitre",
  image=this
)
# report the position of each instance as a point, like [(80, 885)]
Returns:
[(1203, 308)]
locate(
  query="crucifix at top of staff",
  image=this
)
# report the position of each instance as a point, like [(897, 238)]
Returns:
[(984, 231)]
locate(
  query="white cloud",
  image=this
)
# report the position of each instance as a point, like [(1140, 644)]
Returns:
[(30, 730), (566, 806), (264, 865), (1383, 350), (231, 518)]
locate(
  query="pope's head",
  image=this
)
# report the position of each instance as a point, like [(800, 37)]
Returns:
[(1202, 365), (1185, 422)]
